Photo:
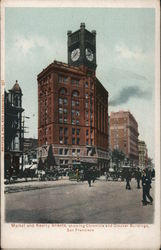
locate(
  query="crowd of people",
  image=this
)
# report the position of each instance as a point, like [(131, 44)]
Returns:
[(145, 177)]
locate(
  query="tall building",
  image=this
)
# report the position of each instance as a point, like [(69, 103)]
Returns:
[(13, 129), (143, 154), (73, 106), (124, 134)]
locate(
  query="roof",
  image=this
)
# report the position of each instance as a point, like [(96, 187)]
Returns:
[(16, 87)]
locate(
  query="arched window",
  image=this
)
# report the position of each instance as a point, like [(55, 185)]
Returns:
[(75, 93)]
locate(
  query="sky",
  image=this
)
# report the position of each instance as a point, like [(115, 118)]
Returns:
[(125, 52)]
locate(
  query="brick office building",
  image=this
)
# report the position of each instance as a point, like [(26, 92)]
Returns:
[(73, 106), (124, 134)]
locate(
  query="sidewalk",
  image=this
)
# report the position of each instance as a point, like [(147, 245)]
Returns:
[(21, 185)]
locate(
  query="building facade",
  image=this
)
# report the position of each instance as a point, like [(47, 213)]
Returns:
[(13, 130), (124, 134), (29, 150), (143, 154), (73, 106)]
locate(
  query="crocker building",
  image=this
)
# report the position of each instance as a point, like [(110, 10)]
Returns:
[(73, 107)]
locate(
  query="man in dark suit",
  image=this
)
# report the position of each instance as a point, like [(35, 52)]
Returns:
[(146, 183)]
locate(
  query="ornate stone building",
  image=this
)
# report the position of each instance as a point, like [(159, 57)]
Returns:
[(73, 106), (13, 130)]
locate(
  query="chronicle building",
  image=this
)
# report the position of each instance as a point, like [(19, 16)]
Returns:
[(73, 106)]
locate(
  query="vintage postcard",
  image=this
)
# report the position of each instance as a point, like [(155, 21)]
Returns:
[(80, 124)]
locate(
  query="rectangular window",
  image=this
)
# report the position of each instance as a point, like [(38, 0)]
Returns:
[(78, 151), (65, 120), (73, 112), (86, 123), (60, 151), (60, 120), (66, 151), (66, 140), (65, 131), (66, 162), (77, 112), (86, 104), (86, 85), (60, 111), (73, 140), (60, 101), (61, 139), (86, 95), (77, 122), (77, 103), (91, 141), (65, 101), (73, 103), (60, 131), (65, 111), (73, 151), (73, 122), (77, 82), (60, 79), (87, 132), (65, 79), (87, 142), (73, 131), (78, 131), (78, 140)]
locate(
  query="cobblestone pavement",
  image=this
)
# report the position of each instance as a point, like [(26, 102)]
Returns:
[(65, 201)]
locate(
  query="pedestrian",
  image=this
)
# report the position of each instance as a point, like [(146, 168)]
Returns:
[(89, 176), (146, 183), (138, 177), (94, 175), (128, 179), (77, 174)]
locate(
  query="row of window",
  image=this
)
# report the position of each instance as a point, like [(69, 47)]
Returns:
[(64, 140), (64, 79), (74, 131), (75, 141), (65, 151)]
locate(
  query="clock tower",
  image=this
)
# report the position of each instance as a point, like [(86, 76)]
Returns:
[(82, 48)]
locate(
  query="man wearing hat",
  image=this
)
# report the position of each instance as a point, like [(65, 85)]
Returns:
[(146, 183)]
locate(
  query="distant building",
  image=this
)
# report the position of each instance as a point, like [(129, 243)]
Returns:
[(13, 129), (143, 154), (124, 134), (73, 106), (30, 150)]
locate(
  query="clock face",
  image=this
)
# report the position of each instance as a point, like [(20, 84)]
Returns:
[(75, 54), (89, 54)]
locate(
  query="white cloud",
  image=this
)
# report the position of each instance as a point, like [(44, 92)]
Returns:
[(124, 53), (25, 44)]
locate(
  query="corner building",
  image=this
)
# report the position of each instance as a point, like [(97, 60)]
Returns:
[(73, 107), (124, 134)]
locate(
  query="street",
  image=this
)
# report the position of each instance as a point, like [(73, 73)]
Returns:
[(104, 202)]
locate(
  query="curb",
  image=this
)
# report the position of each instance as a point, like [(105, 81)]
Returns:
[(30, 188)]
